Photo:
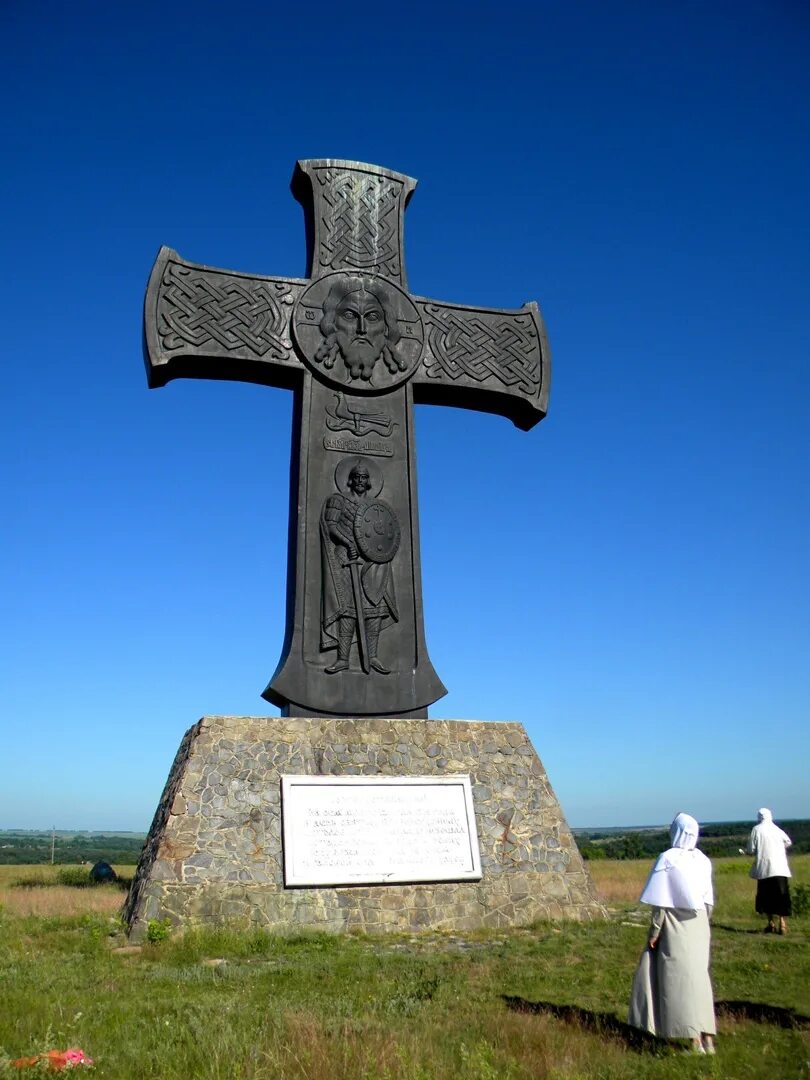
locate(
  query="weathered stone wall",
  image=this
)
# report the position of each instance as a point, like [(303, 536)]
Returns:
[(214, 852)]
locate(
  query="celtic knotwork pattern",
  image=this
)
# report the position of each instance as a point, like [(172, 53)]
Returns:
[(359, 222), (482, 345), (202, 307)]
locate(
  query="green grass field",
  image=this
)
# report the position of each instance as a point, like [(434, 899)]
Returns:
[(548, 1002)]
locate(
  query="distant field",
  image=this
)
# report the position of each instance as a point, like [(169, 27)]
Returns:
[(545, 1003)]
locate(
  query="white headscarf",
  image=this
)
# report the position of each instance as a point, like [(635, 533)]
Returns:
[(768, 844), (682, 876)]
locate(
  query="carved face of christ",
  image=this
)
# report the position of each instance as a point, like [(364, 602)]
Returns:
[(361, 331)]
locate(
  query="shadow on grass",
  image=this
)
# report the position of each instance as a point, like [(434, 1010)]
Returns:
[(600, 1023), (763, 1014), (735, 929), (608, 1025)]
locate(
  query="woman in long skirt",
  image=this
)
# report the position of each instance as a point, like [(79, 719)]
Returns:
[(768, 844), (672, 992)]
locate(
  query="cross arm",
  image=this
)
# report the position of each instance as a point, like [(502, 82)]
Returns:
[(486, 359), (201, 322)]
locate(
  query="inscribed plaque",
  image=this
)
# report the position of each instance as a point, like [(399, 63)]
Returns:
[(350, 830)]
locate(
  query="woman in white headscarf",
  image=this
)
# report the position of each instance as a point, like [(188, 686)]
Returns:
[(672, 993), (768, 844)]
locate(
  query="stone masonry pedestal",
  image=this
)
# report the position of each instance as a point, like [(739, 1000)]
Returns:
[(214, 851)]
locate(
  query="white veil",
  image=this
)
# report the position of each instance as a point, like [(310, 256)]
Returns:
[(682, 876)]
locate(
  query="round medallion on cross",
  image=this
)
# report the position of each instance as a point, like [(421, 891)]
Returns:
[(358, 330)]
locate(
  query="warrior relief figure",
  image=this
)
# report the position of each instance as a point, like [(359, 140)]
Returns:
[(359, 538)]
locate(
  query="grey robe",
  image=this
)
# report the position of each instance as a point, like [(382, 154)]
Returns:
[(672, 993)]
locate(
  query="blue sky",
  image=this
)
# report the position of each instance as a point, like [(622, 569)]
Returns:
[(629, 579)]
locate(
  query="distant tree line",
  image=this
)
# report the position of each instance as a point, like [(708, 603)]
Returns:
[(31, 848), (716, 839)]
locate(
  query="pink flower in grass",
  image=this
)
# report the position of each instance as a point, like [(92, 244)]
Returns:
[(75, 1056), (56, 1059)]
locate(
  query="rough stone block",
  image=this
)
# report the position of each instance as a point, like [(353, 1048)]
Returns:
[(214, 853)]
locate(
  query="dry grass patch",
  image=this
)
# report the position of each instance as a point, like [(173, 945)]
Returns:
[(34, 890), (316, 1050), (551, 1050), (62, 900), (619, 881)]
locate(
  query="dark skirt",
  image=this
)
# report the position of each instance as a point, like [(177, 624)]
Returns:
[(773, 896)]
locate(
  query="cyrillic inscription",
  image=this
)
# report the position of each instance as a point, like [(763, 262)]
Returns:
[(345, 830), (357, 446)]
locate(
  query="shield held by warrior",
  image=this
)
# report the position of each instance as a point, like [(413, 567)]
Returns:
[(376, 531)]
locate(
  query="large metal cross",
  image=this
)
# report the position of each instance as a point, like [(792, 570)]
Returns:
[(358, 350)]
